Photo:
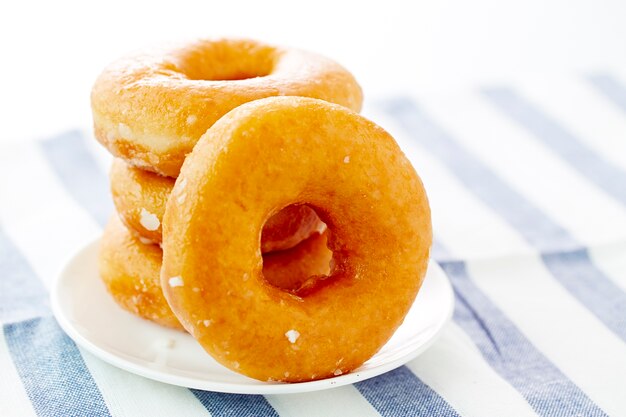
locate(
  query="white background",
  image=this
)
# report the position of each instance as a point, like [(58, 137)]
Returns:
[(51, 52)]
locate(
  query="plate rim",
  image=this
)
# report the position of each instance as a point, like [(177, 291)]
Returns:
[(229, 387)]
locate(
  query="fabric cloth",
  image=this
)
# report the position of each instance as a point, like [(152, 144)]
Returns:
[(527, 184)]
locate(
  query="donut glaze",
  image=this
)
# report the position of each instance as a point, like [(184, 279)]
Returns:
[(361, 185), (140, 198), (150, 108)]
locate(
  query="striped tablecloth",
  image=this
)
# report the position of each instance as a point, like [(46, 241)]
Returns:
[(528, 190)]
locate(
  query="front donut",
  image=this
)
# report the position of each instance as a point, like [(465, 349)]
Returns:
[(259, 158)]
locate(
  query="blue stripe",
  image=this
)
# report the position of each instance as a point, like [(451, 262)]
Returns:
[(511, 355), (234, 405), (576, 272), (611, 88), (401, 393), (592, 289), (21, 294), (78, 170), (604, 174), (52, 370)]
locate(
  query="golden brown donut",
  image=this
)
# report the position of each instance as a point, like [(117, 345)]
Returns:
[(361, 185), (150, 108), (140, 198), (131, 270)]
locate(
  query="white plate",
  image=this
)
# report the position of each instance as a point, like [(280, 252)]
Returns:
[(94, 321)]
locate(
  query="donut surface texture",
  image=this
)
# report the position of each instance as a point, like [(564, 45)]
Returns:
[(140, 198), (151, 108), (130, 271), (361, 185)]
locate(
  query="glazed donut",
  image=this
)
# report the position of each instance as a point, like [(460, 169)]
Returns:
[(362, 186), (151, 108), (140, 198), (130, 270)]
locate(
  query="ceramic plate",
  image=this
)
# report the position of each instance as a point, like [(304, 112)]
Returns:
[(94, 321)]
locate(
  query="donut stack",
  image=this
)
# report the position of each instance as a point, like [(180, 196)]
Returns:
[(150, 110), (215, 185)]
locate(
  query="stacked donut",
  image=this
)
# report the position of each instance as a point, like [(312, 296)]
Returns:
[(224, 192)]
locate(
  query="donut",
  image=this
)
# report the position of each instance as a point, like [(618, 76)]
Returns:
[(354, 175), (131, 269), (140, 198), (150, 108)]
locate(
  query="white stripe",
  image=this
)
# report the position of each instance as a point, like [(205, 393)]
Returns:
[(344, 401), (37, 213), (585, 112), (542, 177), (48, 226), (13, 398), (457, 215), (456, 370), (127, 394), (611, 261), (561, 328)]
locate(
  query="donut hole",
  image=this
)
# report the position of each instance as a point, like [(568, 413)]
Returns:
[(304, 264), (227, 61)]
